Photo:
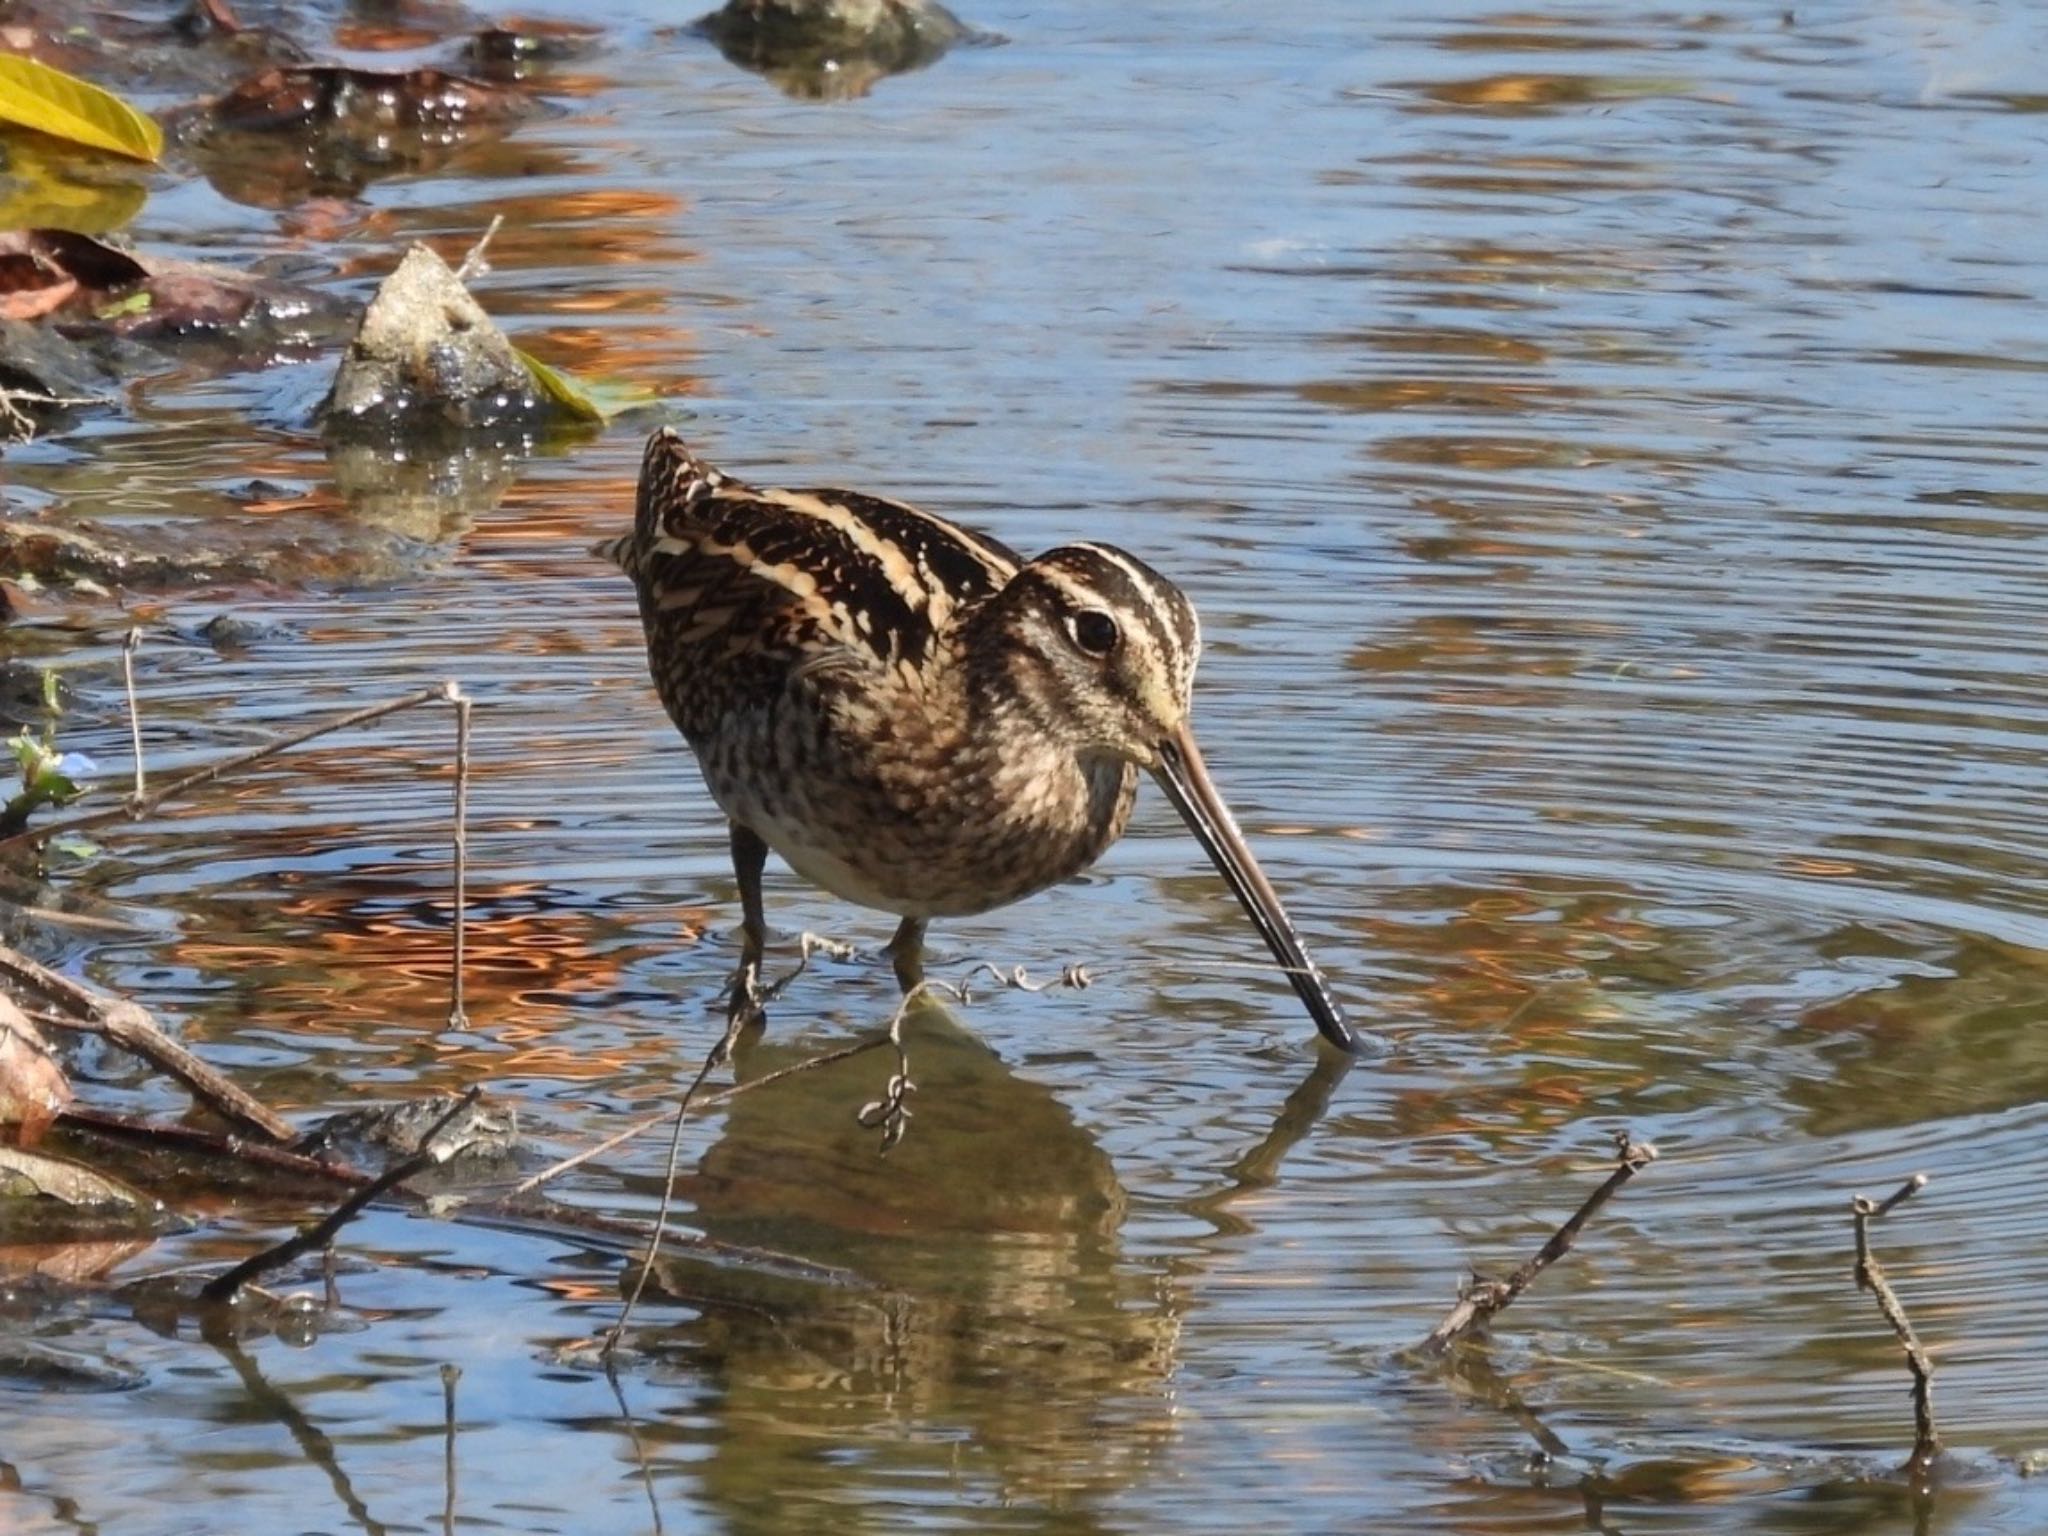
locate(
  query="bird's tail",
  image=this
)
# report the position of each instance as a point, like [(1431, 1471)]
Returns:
[(672, 481)]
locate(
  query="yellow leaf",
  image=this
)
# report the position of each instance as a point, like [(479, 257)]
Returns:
[(560, 389), (48, 184), (36, 96)]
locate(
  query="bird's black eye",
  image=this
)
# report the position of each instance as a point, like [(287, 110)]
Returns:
[(1094, 631)]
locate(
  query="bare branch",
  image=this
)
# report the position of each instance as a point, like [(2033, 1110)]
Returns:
[(24, 425), (1870, 1276), (735, 1021), (74, 1006), (133, 809), (450, 1375), (191, 1140), (890, 1113), (1483, 1299), (223, 1287), (129, 646), (611, 1375), (474, 264), (458, 1016), (711, 1101)]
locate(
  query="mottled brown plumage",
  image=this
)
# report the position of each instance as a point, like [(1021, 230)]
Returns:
[(915, 718)]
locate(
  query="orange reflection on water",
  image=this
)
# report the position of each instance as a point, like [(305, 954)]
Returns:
[(331, 964)]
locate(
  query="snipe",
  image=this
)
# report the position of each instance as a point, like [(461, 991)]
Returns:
[(913, 716)]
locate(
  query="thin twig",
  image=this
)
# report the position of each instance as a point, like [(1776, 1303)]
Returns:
[(735, 1023), (313, 1442), (1482, 1299), (75, 1006), (223, 1287), (473, 263), (129, 646), (190, 1140), (12, 400), (611, 1375), (1870, 1277), (888, 1112), (1075, 976), (450, 1375), (808, 944), (134, 809), (711, 1101), (458, 1016)]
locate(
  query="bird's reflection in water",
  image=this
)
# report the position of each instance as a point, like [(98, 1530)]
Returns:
[(1008, 1341)]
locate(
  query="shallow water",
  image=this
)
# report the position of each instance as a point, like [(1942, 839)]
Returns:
[(1604, 447)]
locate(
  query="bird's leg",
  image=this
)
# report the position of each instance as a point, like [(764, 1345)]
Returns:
[(906, 952), (749, 859)]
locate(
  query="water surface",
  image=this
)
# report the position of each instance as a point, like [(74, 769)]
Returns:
[(1604, 446)]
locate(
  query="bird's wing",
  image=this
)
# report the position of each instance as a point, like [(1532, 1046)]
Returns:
[(809, 580)]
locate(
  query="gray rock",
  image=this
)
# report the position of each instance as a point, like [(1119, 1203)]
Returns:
[(824, 49), (428, 362)]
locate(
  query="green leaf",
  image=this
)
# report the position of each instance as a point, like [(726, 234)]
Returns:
[(36, 96), (45, 779), (561, 390), (30, 753), (136, 303)]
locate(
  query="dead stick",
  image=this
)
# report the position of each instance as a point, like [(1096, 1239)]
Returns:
[(890, 1035), (129, 646), (458, 1016), (110, 1125), (136, 808), (473, 264), (710, 1101), (223, 1287), (1483, 1299), (75, 1006), (450, 1374), (736, 1019), (892, 1117), (1870, 1277), (639, 1448)]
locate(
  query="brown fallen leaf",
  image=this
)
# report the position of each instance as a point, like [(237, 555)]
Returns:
[(37, 1176), (77, 1263), (94, 263), (42, 270), (33, 1087), (92, 287), (28, 291)]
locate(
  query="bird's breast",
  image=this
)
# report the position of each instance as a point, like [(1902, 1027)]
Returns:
[(899, 812)]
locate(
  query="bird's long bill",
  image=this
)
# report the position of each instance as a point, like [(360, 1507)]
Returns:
[(1185, 778)]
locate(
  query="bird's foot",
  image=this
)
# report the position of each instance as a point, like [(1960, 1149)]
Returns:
[(809, 944), (744, 1009)]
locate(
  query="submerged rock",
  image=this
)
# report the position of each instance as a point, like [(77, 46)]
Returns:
[(40, 371), (481, 1142), (833, 49), (96, 558), (325, 130)]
